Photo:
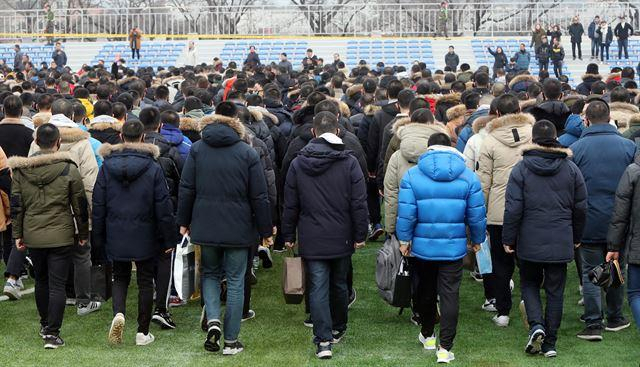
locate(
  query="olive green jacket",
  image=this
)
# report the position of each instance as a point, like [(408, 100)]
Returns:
[(48, 200)]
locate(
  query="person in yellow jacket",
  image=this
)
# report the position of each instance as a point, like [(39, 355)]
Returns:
[(82, 95)]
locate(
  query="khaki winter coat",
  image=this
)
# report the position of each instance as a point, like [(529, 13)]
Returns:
[(455, 118), (634, 126), (621, 112), (414, 139), (499, 153), (48, 200), (76, 141)]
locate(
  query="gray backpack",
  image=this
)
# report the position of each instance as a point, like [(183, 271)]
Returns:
[(388, 266)]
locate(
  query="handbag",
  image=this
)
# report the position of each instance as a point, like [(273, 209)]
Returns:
[(402, 288), (293, 280), (483, 257), (101, 282), (184, 268)]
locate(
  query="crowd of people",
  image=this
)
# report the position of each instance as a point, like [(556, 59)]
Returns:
[(110, 165)]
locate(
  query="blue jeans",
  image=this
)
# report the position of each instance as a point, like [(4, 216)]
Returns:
[(328, 296), (623, 44), (595, 47), (592, 256), (229, 262), (633, 291)]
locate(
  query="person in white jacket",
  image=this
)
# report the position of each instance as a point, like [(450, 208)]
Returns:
[(192, 54), (472, 148)]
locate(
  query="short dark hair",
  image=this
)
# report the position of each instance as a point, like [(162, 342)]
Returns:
[(12, 106), (79, 92), (103, 91), (62, 106), (439, 139), (126, 99), (192, 103), (544, 131), (405, 97), (79, 111), (47, 136), (619, 94), (578, 106), (325, 122), (150, 118), (481, 79), (162, 92), (418, 103), (315, 98), (327, 105), (423, 116), (119, 110), (507, 103), (598, 87), (472, 100), (598, 112), (132, 131), (254, 100), (393, 88), (552, 89), (228, 109), (44, 102), (170, 117), (102, 108)]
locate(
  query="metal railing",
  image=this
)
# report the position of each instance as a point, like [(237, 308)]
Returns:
[(401, 19)]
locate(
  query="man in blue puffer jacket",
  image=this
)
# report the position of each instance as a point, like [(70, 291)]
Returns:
[(171, 131), (438, 199)]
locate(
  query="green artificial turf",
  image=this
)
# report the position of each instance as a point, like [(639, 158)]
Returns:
[(377, 336)]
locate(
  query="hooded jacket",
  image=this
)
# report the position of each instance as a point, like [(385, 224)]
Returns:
[(624, 221), (500, 59), (15, 137), (473, 147), (190, 128), (438, 199), (500, 152), (261, 131), (602, 155), (634, 126), (413, 140), (75, 141), (167, 150), (284, 115), (176, 138), (584, 88), (455, 119), (223, 192), (452, 60), (362, 122), (520, 83), (555, 111), (325, 201), (105, 129), (621, 113), (269, 171), (443, 104), (572, 130), (132, 210), (546, 206), (467, 131), (376, 129), (48, 201), (576, 31)]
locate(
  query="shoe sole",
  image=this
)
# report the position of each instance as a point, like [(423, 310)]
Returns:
[(591, 338), (614, 329), (355, 298), (324, 355), (12, 296), (84, 313), (489, 309), (446, 360), (550, 354), (308, 324), (534, 345), (116, 332), (53, 346), (231, 351), (215, 334), (162, 323), (146, 342)]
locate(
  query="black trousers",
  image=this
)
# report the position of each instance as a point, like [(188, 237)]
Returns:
[(373, 202), (247, 281), (573, 49), (439, 279), (503, 267), (162, 278), (557, 68), (7, 244), (51, 266), (135, 51), (551, 277), (543, 64), (122, 278)]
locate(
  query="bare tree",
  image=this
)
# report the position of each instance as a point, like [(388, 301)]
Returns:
[(321, 14)]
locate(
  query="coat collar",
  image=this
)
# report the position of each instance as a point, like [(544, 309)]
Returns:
[(511, 120), (596, 129), (540, 148), (482, 122), (456, 111), (39, 160), (522, 78), (142, 148), (232, 122), (189, 124)]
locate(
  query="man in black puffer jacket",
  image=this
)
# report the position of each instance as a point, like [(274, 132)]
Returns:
[(542, 229), (552, 109), (327, 226), (133, 220), (224, 206)]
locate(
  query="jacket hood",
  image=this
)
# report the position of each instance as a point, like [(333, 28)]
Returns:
[(128, 161), (189, 124), (442, 163), (591, 77), (522, 78), (371, 109), (453, 98), (528, 103), (219, 130), (172, 134), (544, 161), (574, 125), (104, 125), (303, 115), (70, 135), (623, 107), (319, 155), (456, 111), (60, 120), (391, 108), (634, 120), (512, 130), (265, 113), (103, 119), (39, 169), (554, 107), (403, 121), (196, 114), (482, 122), (414, 139), (353, 90)]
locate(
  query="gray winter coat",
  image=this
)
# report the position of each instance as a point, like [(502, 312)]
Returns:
[(624, 228)]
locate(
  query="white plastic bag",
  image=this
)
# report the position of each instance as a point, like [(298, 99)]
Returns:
[(183, 277)]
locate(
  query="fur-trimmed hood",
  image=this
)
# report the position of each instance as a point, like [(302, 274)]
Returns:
[(511, 120), (522, 78), (102, 126), (452, 98), (39, 160), (512, 130), (414, 138), (623, 107), (614, 76), (591, 76), (71, 135), (265, 113), (403, 121), (345, 111), (456, 112), (634, 120), (189, 124), (371, 109), (528, 103), (232, 122), (143, 148), (353, 90), (482, 122), (532, 146)]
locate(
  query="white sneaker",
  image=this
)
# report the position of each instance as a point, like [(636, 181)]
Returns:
[(428, 343), (444, 356), (20, 284), (70, 302), (91, 307), (117, 329), (489, 305), (501, 321), (12, 290), (142, 339), (511, 285), (581, 302)]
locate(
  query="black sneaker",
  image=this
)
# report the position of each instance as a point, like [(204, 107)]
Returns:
[(534, 344), (548, 351), (583, 318), (248, 316), (231, 349), (53, 342), (376, 232), (617, 325), (42, 332), (352, 298), (337, 336), (416, 319), (265, 255), (308, 322), (212, 344), (324, 350), (163, 319), (591, 333), (476, 276)]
